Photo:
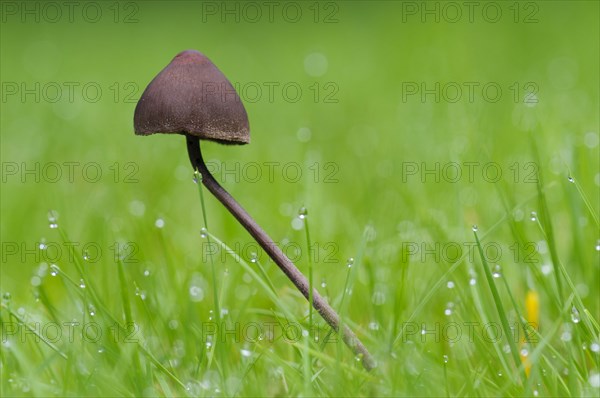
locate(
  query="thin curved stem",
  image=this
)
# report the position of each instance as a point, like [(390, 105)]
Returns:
[(276, 254)]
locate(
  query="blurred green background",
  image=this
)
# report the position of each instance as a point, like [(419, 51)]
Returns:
[(362, 131)]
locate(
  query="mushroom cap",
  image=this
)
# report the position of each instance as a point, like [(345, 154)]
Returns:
[(192, 96)]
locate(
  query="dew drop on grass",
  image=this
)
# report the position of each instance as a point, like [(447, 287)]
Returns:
[(475, 228), (159, 223), (594, 379), (203, 233), (86, 256), (350, 262), (546, 269), (323, 283), (42, 269), (497, 271), (42, 245), (81, 284), (374, 326), (35, 280), (146, 272), (246, 353), (197, 177), (571, 179), (6, 296), (92, 310), (448, 309), (54, 270), (598, 246), (566, 336), (378, 298), (140, 293), (575, 317), (595, 347), (472, 281), (196, 293), (533, 216), (450, 285), (445, 358), (302, 213), (253, 257), (370, 233), (53, 219)]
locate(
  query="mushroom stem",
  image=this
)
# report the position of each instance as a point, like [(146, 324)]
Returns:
[(276, 254)]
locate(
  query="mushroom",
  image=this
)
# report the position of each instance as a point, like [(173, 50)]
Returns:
[(190, 96)]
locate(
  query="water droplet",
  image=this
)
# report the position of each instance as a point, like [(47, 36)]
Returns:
[(137, 208), (323, 283), (81, 284), (575, 317), (378, 298), (350, 262), (546, 269), (53, 219), (598, 246), (475, 228), (571, 179), (450, 285), (472, 281), (203, 233), (302, 213), (224, 312), (500, 374), (595, 347), (533, 216), (497, 271), (101, 350), (524, 352), (374, 326), (246, 353), (196, 293), (566, 336), (146, 272), (448, 310), (535, 393), (197, 177), (86, 256), (445, 358), (594, 379), (42, 245), (92, 310), (370, 233), (54, 270), (159, 223), (6, 296), (253, 257)]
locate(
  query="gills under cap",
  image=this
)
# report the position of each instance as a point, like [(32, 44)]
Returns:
[(192, 96)]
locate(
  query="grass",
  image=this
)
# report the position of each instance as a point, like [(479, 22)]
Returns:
[(131, 284)]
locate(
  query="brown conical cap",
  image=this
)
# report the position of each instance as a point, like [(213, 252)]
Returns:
[(191, 96)]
